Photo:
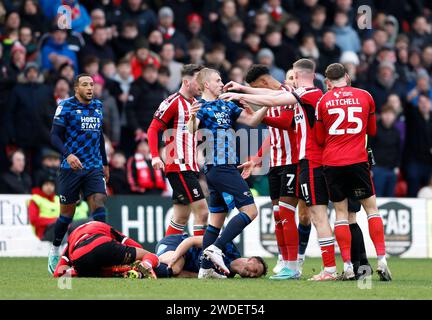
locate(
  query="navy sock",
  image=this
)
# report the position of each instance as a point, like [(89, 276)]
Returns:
[(162, 271), (99, 214), (304, 232), (60, 229), (233, 229), (358, 250), (210, 236)]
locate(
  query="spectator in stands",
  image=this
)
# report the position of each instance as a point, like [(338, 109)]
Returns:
[(395, 102), (142, 57), (11, 24), (329, 51), (145, 95), (418, 146), (51, 161), (316, 27), (276, 11), (422, 87), (118, 176), (346, 37), (32, 16), (156, 41), (80, 17), (171, 34), (125, 43), (244, 61), (385, 84), (196, 52), (253, 43), (98, 45), (427, 58), (308, 48), (350, 61), (194, 30), (140, 12), (16, 180), (56, 51), (26, 39), (124, 79), (265, 56), (31, 108), (261, 22), (18, 60), (304, 10), (291, 32), (164, 76), (62, 90), (142, 178), (386, 146), (67, 71), (44, 209), (426, 191), (111, 119), (284, 54), (233, 40), (421, 32), (236, 74), (216, 59), (167, 60), (391, 27)]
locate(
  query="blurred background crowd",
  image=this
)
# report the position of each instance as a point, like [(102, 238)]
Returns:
[(135, 49)]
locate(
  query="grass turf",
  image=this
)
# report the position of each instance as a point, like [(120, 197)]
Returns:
[(27, 278)]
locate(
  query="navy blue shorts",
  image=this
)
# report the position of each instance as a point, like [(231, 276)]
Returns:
[(71, 183), (169, 243), (228, 190)]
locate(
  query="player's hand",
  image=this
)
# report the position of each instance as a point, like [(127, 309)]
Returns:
[(157, 163), (228, 96), (194, 109), (106, 173), (247, 167), (246, 107), (233, 86), (74, 162)]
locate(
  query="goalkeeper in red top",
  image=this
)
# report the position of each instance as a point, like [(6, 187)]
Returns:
[(344, 116), (96, 249)]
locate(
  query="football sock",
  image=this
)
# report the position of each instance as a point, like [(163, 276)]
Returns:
[(199, 230), (60, 229), (287, 216), (303, 232), (99, 214), (162, 271), (358, 250), (210, 236), (280, 239), (234, 227), (328, 254), (376, 232), (174, 228), (343, 238), (151, 259)]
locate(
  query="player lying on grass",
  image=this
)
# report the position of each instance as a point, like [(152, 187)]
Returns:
[(95, 249), (182, 255)]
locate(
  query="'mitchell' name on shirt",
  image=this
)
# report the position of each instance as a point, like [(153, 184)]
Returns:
[(90, 123), (342, 102)]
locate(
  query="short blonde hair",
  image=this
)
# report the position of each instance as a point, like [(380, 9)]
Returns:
[(204, 75)]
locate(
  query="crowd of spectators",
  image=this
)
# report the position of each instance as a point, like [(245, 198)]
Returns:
[(134, 49)]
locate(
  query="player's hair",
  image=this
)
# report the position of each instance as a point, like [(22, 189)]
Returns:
[(305, 64), (78, 77), (190, 70), (256, 71), (335, 71), (203, 75), (261, 260)]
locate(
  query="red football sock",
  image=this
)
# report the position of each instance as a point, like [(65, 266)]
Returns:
[(290, 232), (174, 228), (343, 238), (376, 232), (152, 259), (280, 233), (327, 252), (199, 230)]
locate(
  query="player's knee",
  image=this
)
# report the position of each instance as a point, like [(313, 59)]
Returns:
[(304, 219), (99, 200), (352, 218)]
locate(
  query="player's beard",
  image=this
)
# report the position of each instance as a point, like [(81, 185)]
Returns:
[(85, 97)]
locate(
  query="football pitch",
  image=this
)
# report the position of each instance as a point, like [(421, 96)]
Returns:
[(28, 278)]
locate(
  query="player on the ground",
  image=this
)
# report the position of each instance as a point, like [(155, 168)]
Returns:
[(77, 135), (227, 188), (311, 179), (282, 176), (182, 255), (95, 249), (344, 116), (181, 165)]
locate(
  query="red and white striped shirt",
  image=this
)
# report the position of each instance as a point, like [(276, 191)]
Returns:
[(283, 148), (180, 145)]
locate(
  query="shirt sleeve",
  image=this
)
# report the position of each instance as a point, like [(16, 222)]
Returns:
[(235, 111), (166, 112), (60, 115)]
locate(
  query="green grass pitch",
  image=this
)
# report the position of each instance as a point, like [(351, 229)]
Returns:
[(27, 278)]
